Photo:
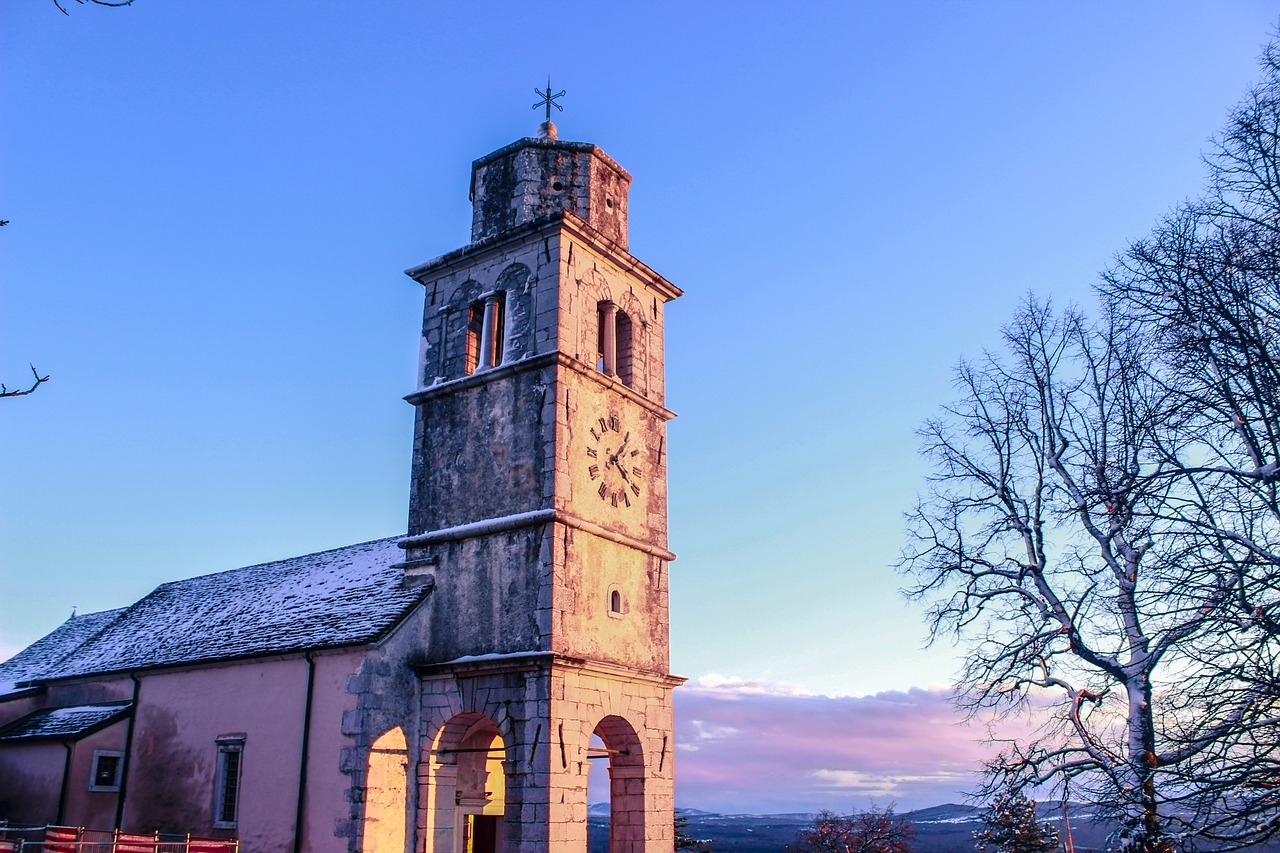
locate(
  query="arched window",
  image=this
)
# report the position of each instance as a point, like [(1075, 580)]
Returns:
[(623, 337), (475, 327), (485, 334), (615, 602), (613, 342)]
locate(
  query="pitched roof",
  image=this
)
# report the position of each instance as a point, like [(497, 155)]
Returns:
[(45, 654), (344, 597), (67, 723)]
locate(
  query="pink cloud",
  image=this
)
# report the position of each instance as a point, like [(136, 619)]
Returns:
[(769, 748)]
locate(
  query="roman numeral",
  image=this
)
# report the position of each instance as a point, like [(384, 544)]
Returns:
[(594, 471), (591, 451), (594, 435), (602, 491), (626, 497), (604, 425), (615, 498), (614, 424), (635, 489), (636, 472)]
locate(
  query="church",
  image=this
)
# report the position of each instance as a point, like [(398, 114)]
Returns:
[(450, 689)]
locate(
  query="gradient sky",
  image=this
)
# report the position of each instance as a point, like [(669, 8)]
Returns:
[(211, 204)]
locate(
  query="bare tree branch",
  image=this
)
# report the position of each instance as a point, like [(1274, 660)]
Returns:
[(64, 11), (39, 380)]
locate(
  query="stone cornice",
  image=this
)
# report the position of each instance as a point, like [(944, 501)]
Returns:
[(478, 665), (537, 362), (533, 518), (541, 228)]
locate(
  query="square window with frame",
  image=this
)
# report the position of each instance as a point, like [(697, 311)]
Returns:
[(104, 773)]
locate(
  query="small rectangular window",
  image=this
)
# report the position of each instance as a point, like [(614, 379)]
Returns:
[(104, 775), (226, 805)]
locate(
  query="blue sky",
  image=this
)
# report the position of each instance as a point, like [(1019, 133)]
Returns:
[(212, 204)]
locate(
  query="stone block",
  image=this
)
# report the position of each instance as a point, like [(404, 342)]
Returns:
[(352, 722)]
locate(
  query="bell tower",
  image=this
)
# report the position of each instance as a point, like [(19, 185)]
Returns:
[(538, 515)]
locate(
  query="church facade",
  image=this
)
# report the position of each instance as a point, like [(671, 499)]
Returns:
[(450, 689)]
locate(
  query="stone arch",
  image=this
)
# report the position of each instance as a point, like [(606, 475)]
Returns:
[(386, 794), (626, 784), (593, 289), (633, 367), (466, 786), (460, 329), (516, 283)]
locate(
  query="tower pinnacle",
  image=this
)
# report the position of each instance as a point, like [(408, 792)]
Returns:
[(547, 130)]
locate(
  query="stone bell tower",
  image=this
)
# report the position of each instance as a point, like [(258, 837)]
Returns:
[(538, 514)]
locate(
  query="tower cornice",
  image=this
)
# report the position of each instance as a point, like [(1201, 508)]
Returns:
[(538, 362), (562, 221), (532, 518), (537, 660), (539, 142)]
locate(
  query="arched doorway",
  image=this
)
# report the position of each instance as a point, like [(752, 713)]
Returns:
[(468, 787), (386, 794), (615, 750)]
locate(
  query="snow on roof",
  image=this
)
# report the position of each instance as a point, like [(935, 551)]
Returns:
[(69, 723), (44, 655), (347, 596)]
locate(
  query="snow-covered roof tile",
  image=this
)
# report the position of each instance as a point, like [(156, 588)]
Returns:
[(343, 597), (63, 723), (44, 655)]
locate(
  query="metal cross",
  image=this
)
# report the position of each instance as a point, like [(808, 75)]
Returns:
[(548, 99)]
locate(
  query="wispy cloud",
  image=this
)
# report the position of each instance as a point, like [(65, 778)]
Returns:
[(751, 746)]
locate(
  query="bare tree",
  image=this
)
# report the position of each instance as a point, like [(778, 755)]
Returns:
[(877, 830), (1204, 288), (1053, 542), (1205, 285)]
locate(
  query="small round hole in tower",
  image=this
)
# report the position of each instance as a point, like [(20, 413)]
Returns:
[(608, 202), (557, 186)]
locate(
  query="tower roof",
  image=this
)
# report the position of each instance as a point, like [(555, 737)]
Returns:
[(537, 176)]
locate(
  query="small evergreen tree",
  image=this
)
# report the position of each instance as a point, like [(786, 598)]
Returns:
[(1010, 826), (685, 841)]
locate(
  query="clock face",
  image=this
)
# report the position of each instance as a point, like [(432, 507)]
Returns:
[(615, 461)]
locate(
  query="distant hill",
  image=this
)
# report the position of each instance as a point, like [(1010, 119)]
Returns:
[(939, 829)]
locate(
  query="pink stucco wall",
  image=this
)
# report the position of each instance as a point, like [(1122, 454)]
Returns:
[(326, 784), (173, 764), (33, 781), (96, 809), (183, 713)]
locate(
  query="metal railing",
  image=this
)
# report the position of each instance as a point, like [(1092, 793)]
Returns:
[(16, 838)]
